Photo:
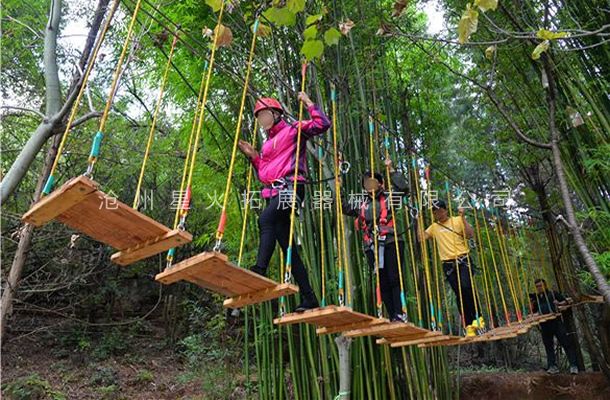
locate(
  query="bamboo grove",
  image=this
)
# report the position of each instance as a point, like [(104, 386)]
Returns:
[(450, 113)]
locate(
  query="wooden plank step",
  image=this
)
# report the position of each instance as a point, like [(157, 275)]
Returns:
[(325, 317), (590, 298), (213, 271), (283, 289), (389, 329), (349, 327), (414, 342), (80, 205), (173, 238), (408, 337)]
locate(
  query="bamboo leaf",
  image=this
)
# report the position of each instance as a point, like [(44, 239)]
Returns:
[(485, 5), (332, 36), (541, 48), (468, 24), (312, 49)]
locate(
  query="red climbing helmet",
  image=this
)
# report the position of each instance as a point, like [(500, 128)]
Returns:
[(267, 102)]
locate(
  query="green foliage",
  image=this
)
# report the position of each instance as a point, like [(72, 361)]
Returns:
[(145, 376), (280, 16), (31, 387)]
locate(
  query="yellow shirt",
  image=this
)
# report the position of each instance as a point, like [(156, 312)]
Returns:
[(451, 243)]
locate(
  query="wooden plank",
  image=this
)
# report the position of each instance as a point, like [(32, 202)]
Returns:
[(173, 238), (59, 201), (305, 317), (348, 327), (280, 290), (420, 341), (395, 339), (213, 270), (315, 316), (388, 329), (113, 223)]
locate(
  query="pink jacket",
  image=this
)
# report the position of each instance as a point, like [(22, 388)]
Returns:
[(276, 159)]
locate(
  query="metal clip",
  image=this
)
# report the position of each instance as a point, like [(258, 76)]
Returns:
[(217, 245), (344, 167)]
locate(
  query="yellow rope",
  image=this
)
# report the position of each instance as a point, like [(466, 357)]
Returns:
[(339, 209), (153, 124), (424, 249), (321, 230), (414, 267), (203, 102), (374, 232), (506, 263), (498, 279), (223, 213), (117, 71), (398, 255), (242, 239), (294, 183), (187, 158), (484, 267), (435, 257), (85, 79)]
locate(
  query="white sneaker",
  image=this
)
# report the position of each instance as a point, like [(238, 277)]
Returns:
[(574, 370), (553, 370)]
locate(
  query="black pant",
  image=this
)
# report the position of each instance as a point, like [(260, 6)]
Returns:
[(389, 279), (557, 329), (274, 225), (466, 301)]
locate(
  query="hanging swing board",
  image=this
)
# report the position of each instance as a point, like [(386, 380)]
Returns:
[(213, 271), (389, 339), (426, 339), (389, 330), (328, 319), (80, 205)]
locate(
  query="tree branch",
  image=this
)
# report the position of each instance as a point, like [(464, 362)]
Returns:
[(41, 115), (86, 117), (492, 96)]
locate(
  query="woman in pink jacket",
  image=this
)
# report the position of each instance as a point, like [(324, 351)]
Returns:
[(275, 166)]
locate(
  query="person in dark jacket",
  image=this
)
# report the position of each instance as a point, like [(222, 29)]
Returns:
[(546, 301), (389, 278)]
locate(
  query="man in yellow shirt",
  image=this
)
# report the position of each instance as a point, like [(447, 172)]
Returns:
[(451, 235)]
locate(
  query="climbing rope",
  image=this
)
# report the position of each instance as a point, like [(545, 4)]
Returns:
[(288, 273), (153, 124), (97, 139), (210, 67), (48, 187), (375, 227), (403, 300), (223, 213), (343, 285)]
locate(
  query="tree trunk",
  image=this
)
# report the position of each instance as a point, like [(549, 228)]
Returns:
[(55, 111), (572, 223), (345, 367), (25, 240)]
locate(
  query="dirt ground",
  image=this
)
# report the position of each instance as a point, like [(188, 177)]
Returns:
[(534, 386)]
